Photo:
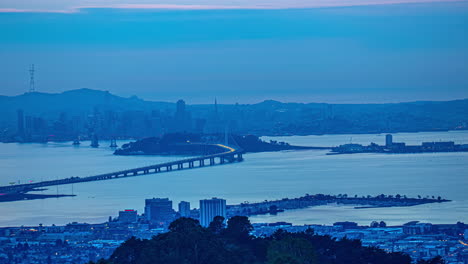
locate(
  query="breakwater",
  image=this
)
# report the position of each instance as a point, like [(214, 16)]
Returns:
[(275, 206)]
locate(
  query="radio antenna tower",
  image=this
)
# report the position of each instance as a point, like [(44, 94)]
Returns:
[(31, 80)]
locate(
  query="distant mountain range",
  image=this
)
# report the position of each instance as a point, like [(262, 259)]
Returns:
[(74, 102), (265, 118)]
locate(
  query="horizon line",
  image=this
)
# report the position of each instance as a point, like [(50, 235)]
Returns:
[(262, 101)]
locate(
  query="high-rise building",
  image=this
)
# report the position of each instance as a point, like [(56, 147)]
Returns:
[(20, 122), (184, 209), (210, 208), (159, 211), (180, 111), (128, 216), (182, 118), (28, 126), (388, 140)]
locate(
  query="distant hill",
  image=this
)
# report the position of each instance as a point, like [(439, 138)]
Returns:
[(265, 118), (72, 102)]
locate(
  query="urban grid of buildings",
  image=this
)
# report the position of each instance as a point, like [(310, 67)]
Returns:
[(82, 242), (111, 125)]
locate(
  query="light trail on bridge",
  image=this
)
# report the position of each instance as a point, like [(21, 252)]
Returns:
[(226, 157)]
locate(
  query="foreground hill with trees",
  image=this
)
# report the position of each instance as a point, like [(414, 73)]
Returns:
[(189, 243)]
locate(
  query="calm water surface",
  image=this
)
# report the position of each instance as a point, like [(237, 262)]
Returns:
[(262, 176)]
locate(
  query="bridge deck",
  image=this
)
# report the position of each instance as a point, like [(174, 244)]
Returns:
[(227, 155)]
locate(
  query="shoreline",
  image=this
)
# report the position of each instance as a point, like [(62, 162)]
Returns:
[(379, 201), (265, 135)]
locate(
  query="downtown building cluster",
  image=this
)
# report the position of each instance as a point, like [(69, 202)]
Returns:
[(82, 242)]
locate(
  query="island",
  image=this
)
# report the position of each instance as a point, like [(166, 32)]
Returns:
[(360, 202), (201, 144)]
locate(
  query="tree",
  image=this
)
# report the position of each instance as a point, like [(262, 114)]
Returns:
[(101, 261), (187, 242), (217, 225), (291, 250), (436, 260), (184, 224), (239, 228), (129, 252)]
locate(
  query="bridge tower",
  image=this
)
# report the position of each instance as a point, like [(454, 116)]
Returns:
[(76, 142), (94, 141), (226, 135), (113, 143)]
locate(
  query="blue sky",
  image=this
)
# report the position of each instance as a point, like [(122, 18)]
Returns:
[(345, 54)]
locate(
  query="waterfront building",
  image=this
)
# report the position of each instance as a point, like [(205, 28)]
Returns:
[(184, 209), (210, 208), (159, 211), (388, 140), (398, 146), (128, 216), (438, 146), (412, 228), (346, 225), (350, 148)]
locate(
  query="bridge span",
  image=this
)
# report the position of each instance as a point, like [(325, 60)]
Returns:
[(229, 156)]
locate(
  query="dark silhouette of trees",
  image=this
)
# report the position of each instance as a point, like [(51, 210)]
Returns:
[(238, 229), (436, 260), (291, 249), (217, 225), (187, 242)]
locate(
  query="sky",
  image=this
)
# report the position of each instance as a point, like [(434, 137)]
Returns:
[(336, 51)]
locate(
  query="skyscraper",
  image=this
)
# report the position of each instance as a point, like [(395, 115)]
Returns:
[(184, 209), (180, 112), (181, 118), (388, 140), (210, 208), (159, 211), (20, 122)]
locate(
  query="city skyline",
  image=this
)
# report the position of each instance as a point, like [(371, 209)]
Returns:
[(234, 131)]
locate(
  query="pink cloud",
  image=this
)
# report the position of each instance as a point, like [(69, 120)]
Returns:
[(15, 10), (239, 4)]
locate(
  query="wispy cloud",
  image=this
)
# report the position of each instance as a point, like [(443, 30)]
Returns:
[(50, 6), (17, 10)]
